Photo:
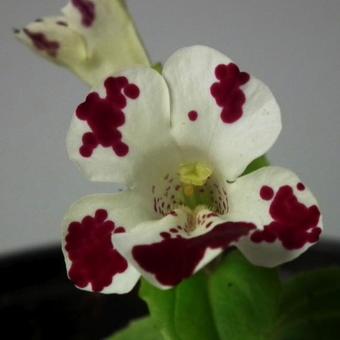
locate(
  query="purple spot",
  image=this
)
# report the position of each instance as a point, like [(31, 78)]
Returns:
[(300, 186), (266, 193), (193, 115), (131, 91)]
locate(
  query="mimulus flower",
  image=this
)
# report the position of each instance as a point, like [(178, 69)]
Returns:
[(180, 142), (92, 38)]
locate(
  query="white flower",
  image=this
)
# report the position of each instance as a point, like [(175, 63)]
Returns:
[(180, 142)]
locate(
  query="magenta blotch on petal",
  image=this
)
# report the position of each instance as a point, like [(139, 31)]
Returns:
[(293, 224), (105, 115), (227, 92), (94, 259), (175, 258)]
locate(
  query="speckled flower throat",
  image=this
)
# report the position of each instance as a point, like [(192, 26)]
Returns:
[(192, 187)]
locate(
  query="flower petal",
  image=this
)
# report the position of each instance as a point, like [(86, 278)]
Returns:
[(92, 260), (52, 38), (228, 115), (121, 131), (94, 38), (167, 251), (284, 211)]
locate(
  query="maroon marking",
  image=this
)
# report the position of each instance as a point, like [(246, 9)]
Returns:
[(174, 259), (131, 91), (173, 213), (94, 259), (41, 43), (165, 235), (87, 10), (104, 116), (120, 230), (293, 224), (193, 115), (266, 193), (227, 92), (211, 215), (300, 186)]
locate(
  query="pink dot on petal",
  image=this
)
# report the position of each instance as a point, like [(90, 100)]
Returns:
[(266, 193), (193, 115), (221, 71), (89, 139), (101, 215), (119, 230), (85, 151), (122, 81), (300, 186), (121, 149), (132, 91), (256, 236), (314, 235)]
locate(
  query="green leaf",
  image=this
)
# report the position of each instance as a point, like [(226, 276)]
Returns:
[(161, 304), (143, 329), (193, 318), (182, 312), (244, 298), (310, 307), (235, 301), (256, 164)]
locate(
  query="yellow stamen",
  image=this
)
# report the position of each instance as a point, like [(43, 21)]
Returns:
[(188, 190), (194, 173)]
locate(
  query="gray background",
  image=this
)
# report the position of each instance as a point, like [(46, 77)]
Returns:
[(293, 45)]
